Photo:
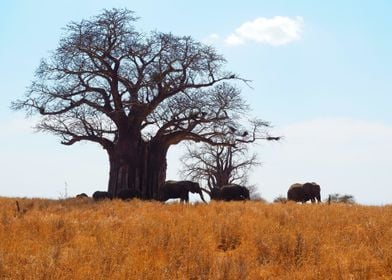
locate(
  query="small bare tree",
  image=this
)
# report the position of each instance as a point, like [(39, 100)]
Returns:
[(280, 199), (219, 165), (339, 198)]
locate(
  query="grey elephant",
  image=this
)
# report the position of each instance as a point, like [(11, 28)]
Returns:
[(304, 192), (179, 189), (100, 195), (128, 194), (230, 192), (81, 195)]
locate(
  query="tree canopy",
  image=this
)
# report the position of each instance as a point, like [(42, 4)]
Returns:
[(105, 74)]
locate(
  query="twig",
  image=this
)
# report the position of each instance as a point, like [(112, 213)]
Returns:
[(17, 206)]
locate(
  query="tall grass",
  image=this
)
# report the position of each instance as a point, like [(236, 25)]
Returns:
[(80, 239)]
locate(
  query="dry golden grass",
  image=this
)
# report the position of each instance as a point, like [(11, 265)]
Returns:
[(80, 239)]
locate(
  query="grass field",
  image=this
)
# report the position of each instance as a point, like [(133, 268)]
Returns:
[(80, 239)]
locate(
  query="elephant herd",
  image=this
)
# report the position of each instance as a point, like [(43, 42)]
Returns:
[(232, 192), (181, 189)]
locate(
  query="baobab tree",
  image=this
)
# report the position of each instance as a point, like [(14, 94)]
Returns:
[(134, 94)]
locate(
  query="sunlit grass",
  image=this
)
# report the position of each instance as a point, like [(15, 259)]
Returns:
[(80, 239)]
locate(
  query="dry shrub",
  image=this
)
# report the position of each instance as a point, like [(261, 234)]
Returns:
[(81, 239)]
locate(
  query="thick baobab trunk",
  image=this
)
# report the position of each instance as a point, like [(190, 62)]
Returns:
[(124, 171), (137, 165), (156, 167)]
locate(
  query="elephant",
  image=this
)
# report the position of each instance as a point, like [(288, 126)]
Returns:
[(128, 194), (230, 192), (81, 195), (100, 195), (304, 192), (179, 189)]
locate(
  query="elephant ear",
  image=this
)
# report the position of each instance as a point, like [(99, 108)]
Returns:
[(215, 193), (194, 187)]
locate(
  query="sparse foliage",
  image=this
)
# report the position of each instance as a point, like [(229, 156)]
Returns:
[(217, 166), (255, 194), (339, 198), (280, 199), (229, 163)]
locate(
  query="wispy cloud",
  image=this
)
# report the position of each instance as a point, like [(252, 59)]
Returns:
[(274, 31)]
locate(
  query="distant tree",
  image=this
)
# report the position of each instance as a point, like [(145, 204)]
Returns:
[(280, 199), (338, 198), (219, 165), (255, 194), (134, 94)]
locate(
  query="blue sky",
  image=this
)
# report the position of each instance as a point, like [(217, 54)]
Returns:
[(327, 88)]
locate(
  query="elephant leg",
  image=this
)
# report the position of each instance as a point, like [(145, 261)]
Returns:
[(185, 197)]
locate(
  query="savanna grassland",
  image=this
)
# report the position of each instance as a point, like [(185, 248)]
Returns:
[(80, 239)]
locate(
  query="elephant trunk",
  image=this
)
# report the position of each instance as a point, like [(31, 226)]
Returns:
[(201, 196), (201, 193)]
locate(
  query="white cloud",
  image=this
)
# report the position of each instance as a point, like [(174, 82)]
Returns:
[(234, 40), (274, 31)]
